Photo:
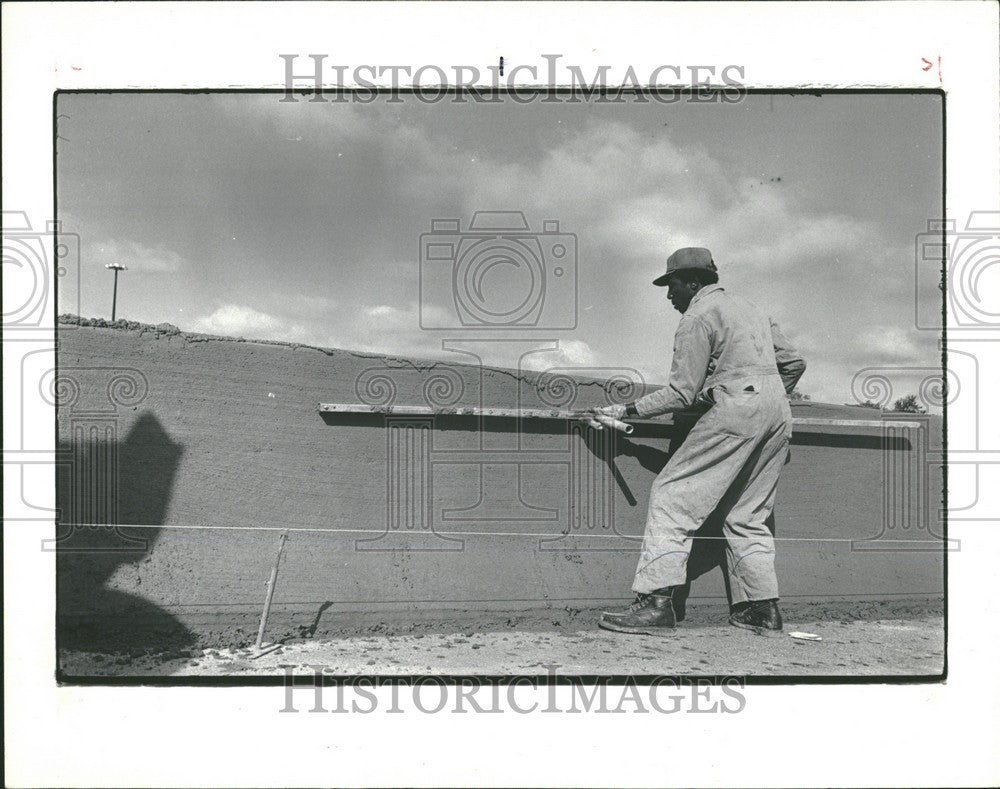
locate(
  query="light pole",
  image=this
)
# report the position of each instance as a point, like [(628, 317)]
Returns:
[(115, 267)]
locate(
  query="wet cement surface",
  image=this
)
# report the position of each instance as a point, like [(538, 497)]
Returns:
[(860, 639)]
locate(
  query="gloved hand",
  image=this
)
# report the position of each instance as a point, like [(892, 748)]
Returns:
[(616, 411)]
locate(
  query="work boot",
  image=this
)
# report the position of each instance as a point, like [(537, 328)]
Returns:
[(679, 597), (760, 616), (653, 615), (636, 604)]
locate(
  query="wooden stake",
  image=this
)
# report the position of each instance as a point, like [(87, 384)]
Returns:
[(270, 590)]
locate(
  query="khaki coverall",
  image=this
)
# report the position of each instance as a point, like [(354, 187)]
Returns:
[(729, 356)]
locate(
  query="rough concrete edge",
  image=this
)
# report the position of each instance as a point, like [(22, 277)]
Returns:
[(533, 378)]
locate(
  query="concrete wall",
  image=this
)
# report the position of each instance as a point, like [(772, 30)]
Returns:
[(212, 444)]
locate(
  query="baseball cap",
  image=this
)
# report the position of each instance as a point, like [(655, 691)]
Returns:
[(688, 257)]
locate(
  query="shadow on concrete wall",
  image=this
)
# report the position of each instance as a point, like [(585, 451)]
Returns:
[(102, 481)]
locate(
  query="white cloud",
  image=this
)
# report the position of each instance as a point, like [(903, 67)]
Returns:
[(234, 320), (136, 256), (890, 344), (386, 319), (384, 328), (569, 354), (380, 328)]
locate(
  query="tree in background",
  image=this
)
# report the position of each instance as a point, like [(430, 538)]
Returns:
[(866, 404), (908, 405), (797, 395)]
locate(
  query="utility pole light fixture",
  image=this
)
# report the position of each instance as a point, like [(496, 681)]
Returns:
[(115, 267)]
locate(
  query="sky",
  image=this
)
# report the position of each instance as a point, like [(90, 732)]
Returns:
[(242, 215)]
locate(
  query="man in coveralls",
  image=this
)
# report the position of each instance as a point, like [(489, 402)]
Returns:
[(734, 361)]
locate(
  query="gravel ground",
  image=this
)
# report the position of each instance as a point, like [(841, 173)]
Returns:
[(867, 639)]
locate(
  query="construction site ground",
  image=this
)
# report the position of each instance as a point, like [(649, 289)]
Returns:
[(887, 638)]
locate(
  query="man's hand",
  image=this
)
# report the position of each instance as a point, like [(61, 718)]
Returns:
[(614, 411)]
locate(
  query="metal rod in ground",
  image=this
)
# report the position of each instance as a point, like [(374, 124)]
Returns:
[(270, 590)]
